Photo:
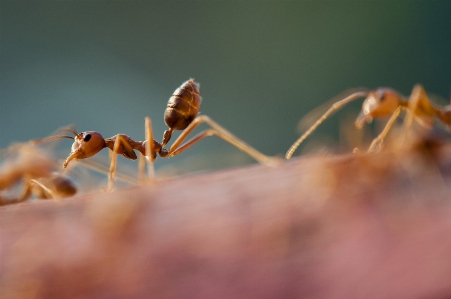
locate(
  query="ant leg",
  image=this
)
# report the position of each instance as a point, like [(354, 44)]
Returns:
[(150, 149), (113, 161), (221, 133), (148, 154), (47, 190), (413, 104), (380, 138), (9, 201), (25, 195), (141, 169), (103, 169), (192, 141), (334, 107), (210, 132), (418, 94)]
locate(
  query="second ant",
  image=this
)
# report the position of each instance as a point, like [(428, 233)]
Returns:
[(384, 102)]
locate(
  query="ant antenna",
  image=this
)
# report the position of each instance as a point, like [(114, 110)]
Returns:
[(46, 139)]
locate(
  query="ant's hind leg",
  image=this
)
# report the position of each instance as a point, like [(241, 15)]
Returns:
[(192, 141), (224, 134), (380, 138)]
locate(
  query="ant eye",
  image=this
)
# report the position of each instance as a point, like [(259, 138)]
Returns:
[(87, 137)]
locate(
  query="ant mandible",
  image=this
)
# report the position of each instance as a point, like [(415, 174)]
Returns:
[(384, 102), (181, 114)]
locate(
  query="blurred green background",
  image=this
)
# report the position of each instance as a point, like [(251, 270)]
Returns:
[(262, 66)]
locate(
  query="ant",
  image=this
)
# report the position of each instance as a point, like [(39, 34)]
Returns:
[(181, 114), (32, 167), (384, 102), (37, 172), (55, 186)]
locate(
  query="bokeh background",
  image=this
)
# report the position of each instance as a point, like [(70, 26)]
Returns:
[(105, 65)]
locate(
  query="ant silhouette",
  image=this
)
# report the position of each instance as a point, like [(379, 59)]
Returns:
[(181, 114), (384, 102)]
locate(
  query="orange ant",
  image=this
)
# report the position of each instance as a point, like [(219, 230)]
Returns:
[(55, 186), (384, 102), (181, 114), (37, 171)]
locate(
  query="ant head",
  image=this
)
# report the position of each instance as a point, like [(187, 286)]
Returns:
[(379, 103), (86, 144)]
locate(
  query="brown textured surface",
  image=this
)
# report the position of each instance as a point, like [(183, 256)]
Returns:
[(354, 226)]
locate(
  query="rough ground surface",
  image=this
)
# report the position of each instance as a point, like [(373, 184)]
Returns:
[(354, 226)]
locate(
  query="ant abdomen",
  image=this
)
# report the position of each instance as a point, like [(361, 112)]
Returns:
[(183, 107)]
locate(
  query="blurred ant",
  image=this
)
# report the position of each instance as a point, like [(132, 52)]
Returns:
[(384, 102), (55, 186), (36, 170), (181, 114)]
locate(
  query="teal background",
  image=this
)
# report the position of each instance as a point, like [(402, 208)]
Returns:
[(262, 65)]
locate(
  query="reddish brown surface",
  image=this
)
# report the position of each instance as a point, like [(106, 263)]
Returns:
[(355, 226)]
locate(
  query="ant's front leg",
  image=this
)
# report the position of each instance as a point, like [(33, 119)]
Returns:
[(332, 109), (149, 152), (218, 130), (118, 141), (124, 145), (380, 138)]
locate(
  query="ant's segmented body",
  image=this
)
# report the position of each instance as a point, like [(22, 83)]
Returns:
[(183, 107)]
